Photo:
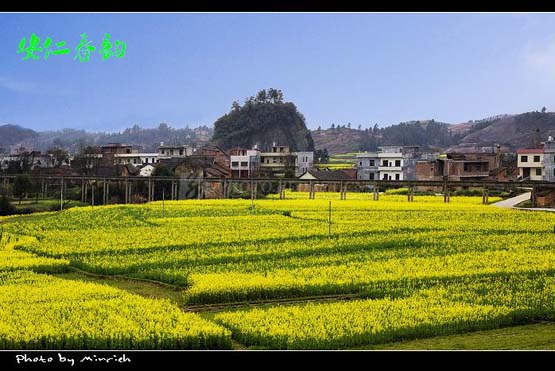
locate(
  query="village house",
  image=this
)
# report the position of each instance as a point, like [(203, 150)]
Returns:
[(280, 162), (220, 156), (549, 159), (390, 163), (135, 158), (461, 166), (332, 179), (304, 161), (170, 151), (244, 162), (146, 170), (198, 167), (367, 166), (30, 159), (530, 163), (390, 166)]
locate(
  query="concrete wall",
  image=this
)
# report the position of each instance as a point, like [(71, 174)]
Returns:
[(549, 161), (546, 199), (305, 187)]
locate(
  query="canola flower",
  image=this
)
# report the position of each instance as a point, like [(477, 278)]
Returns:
[(430, 268), (444, 309), (43, 312)]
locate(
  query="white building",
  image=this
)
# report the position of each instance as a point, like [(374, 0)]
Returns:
[(137, 159), (304, 162), (390, 166), (146, 170), (390, 163), (34, 159), (166, 151), (530, 163), (244, 162)]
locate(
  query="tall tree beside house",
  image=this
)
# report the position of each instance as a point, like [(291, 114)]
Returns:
[(263, 119), (22, 185), (6, 208), (321, 156), (163, 187)]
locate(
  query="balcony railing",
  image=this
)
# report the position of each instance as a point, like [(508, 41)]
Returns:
[(390, 168)]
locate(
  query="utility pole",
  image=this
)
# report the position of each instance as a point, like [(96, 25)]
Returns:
[(164, 200), (329, 220), (252, 196), (62, 195)]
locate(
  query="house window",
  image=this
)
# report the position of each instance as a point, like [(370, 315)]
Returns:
[(397, 177), (360, 163), (274, 160), (235, 163), (181, 152), (385, 177), (244, 163), (372, 163), (523, 158), (397, 163), (536, 158), (371, 176), (385, 163), (538, 172), (134, 160)]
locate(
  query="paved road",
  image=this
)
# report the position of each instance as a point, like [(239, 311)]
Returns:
[(511, 202)]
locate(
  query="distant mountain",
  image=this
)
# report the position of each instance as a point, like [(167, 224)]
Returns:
[(428, 134), (338, 140), (510, 132), (12, 136)]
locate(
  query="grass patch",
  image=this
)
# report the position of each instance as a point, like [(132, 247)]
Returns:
[(538, 336), (145, 289)]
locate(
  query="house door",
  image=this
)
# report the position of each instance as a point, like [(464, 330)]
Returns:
[(526, 172)]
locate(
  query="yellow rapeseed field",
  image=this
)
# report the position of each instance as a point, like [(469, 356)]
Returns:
[(418, 269)]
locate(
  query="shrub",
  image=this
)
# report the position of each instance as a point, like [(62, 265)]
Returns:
[(6, 208)]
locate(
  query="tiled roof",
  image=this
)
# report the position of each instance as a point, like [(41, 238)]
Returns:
[(329, 175)]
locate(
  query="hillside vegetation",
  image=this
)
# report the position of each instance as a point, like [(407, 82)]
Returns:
[(262, 120)]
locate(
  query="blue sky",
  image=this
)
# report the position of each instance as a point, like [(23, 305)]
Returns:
[(186, 69)]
